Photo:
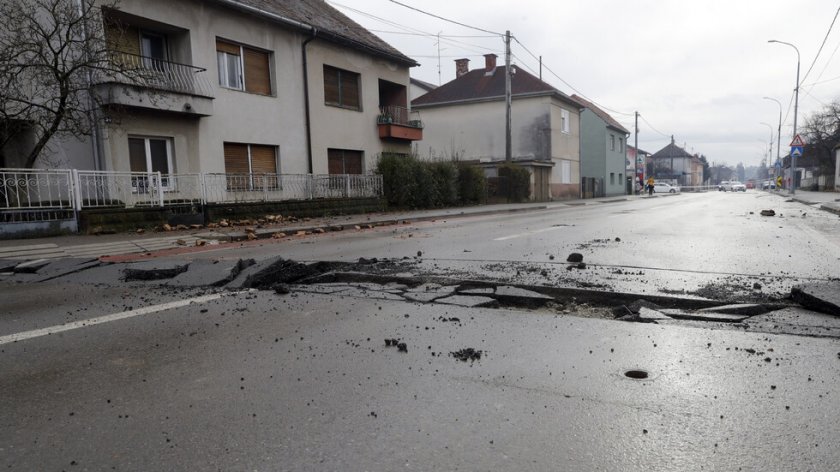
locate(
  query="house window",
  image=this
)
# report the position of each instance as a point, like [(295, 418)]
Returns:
[(564, 121), (243, 68), (343, 161), (150, 154), (341, 88), (612, 142), (565, 172), (612, 178), (620, 144), (250, 166)]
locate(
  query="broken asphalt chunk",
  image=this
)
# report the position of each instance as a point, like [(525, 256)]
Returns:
[(154, 270), (30, 267), (768, 213), (823, 297), (575, 257)]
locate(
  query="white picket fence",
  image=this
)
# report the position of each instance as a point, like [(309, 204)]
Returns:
[(38, 190)]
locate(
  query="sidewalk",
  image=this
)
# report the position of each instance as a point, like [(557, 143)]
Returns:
[(827, 201), (94, 246)]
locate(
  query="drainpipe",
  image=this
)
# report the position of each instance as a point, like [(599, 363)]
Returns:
[(93, 113), (306, 100)]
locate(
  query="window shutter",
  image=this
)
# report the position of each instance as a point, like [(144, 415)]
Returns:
[(350, 89), (236, 158), (353, 162), (229, 48), (257, 75), (137, 154), (263, 159), (331, 85), (335, 161)]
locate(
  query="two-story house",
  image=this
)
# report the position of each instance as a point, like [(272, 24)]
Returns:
[(603, 152), (676, 165), (247, 87), (465, 119)]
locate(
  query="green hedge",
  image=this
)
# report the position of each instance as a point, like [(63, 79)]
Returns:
[(516, 181), (410, 182)]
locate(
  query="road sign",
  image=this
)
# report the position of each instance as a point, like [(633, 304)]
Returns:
[(796, 151), (797, 142)]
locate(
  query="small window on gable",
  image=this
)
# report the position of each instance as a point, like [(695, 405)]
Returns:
[(243, 68), (564, 121), (341, 88)]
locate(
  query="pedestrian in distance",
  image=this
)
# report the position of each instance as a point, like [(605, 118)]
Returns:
[(650, 186)]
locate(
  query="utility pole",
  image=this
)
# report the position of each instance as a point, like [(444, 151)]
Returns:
[(636, 156), (540, 67), (508, 144)]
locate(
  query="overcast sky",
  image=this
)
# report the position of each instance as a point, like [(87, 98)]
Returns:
[(693, 69)]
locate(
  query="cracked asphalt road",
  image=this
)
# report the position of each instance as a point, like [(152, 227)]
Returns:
[(148, 375)]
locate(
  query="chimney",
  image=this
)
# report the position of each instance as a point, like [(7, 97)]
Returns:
[(489, 62), (462, 66)]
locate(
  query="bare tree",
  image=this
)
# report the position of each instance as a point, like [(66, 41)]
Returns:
[(51, 54), (822, 134)]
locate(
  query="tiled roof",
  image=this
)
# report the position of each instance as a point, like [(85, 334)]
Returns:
[(601, 114), (330, 23), (671, 150), (422, 84), (477, 85)]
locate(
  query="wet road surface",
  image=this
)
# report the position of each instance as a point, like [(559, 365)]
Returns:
[(234, 380)]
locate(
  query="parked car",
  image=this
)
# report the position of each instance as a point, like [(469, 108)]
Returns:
[(664, 188), (768, 185), (750, 184), (732, 186)]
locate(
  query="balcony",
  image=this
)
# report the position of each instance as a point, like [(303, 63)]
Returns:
[(156, 84), (399, 123)]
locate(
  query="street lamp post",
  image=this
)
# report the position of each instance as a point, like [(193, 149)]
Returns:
[(779, 131), (770, 155), (795, 112)]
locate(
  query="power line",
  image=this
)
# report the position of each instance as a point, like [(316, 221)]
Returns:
[(414, 31), (651, 127), (445, 19), (568, 84), (427, 34), (827, 33)]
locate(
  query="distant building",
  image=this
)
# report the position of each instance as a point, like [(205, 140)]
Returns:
[(465, 119), (676, 165), (636, 165), (603, 151), (418, 88)]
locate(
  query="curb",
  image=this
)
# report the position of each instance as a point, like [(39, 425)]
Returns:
[(266, 233)]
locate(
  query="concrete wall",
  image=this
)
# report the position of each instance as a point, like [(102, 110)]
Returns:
[(334, 127), (477, 131)]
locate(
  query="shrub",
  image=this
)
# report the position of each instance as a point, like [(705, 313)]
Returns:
[(409, 182), (472, 185), (516, 182)]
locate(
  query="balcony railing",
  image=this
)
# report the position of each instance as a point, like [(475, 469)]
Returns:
[(399, 124), (144, 71), (397, 115)]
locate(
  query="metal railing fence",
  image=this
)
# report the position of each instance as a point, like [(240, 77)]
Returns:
[(157, 73), (70, 189)]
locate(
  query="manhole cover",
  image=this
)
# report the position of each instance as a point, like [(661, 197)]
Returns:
[(636, 374)]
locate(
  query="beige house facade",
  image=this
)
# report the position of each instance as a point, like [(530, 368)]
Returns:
[(246, 86), (465, 119)]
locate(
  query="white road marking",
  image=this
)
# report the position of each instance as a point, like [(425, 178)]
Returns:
[(10, 338), (536, 231)]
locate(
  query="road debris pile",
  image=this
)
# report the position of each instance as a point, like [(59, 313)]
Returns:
[(467, 354)]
